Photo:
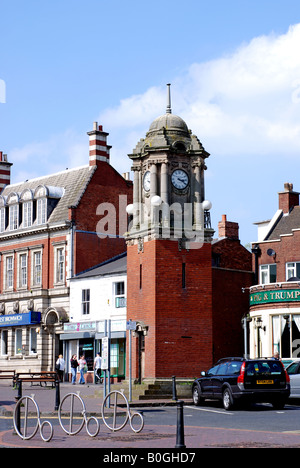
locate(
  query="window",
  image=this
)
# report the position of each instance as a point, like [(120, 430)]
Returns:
[(292, 270), (213, 370), (37, 268), (33, 341), (2, 219), (41, 211), (286, 335), (85, 305), (13, 217), (4, 342), (183, 277), (18, 341), (9, 272), (23, 271), (268, 274), (27, 214), (119, 292), (60, 265)]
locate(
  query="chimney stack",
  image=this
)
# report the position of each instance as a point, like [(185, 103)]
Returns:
[(288, 198), (228, 229), (98, 148), (4, 171)]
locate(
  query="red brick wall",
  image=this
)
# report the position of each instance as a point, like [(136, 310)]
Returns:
[(179, 340), (287, 250), (105, 186), (229, 306), (232, 255)]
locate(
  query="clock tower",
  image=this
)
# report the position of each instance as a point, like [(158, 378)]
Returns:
[(169, 289)]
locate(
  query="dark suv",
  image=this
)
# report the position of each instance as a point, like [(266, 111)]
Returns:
[(245, 380)]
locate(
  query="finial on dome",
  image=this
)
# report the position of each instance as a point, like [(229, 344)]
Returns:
[(169, 110)]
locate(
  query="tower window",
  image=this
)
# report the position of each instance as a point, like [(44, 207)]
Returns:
[(183, 276), (141, 276)]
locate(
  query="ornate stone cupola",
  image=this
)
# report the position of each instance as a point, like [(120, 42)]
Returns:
[(168, 187)]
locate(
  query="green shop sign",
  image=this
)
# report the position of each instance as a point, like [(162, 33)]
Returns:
[(281, 295)]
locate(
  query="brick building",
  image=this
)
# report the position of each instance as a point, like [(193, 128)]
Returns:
[(184, 290), (275, 298), (52, 228)]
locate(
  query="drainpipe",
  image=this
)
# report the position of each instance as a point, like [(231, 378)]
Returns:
[(257, 253)]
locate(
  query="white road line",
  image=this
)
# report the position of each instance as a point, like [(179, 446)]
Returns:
[(209, 410)]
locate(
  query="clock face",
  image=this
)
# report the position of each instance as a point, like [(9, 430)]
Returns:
[(180, 179), (146, 181)]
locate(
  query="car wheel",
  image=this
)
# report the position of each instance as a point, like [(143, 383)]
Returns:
[(227, 399), (278, 405), (197, 396)]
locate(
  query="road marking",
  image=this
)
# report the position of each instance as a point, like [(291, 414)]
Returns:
[(210, 411)]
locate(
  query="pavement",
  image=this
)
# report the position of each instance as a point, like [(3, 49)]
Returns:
[(150, 440)]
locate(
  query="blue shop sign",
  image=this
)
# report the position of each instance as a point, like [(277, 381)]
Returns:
[(17, 320)]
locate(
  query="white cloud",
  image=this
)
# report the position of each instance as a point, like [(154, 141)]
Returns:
[(245, 102), (66, 149)]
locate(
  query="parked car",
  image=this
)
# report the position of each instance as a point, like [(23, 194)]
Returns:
[(244, 380), (287, 362), (293, 371)]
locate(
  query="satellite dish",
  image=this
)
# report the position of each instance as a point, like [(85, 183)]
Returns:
[(271, 253)]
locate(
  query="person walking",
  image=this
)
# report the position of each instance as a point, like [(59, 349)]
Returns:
[(60, 367), (74, 365), (97, 368), (82, 369)]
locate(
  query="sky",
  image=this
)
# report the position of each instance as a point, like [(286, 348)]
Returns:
[(234, 69)]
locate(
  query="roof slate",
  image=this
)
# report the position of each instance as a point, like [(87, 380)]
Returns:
[(73, 181), (115, 265), (286, 224)]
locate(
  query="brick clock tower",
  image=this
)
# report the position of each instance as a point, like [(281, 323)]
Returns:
[(169, 289)]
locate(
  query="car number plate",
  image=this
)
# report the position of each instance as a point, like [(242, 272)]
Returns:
[(265, 382)]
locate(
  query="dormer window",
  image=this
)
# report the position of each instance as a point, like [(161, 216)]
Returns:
[(13, 213), (27, 214), (41, 211), (2, 219), (13, 217), (27, 209)]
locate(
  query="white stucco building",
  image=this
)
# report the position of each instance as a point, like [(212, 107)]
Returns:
[(97, 301)]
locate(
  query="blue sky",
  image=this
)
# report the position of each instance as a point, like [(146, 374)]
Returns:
[(235, 71)]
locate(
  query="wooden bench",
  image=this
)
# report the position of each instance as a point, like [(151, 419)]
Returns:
[(7, 375), (37, 377)]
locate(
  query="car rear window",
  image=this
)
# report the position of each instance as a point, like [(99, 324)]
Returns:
[(263, 368)]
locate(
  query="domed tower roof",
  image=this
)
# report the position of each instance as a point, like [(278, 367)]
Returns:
[(169, 122), (168, 132)]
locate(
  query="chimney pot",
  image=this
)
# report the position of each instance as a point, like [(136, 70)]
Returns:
[(288, 198), (98, 147), (228, 229)]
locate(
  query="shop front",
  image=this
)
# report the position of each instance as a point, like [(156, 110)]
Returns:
[(275, 320), (21, 341), (85, 339)]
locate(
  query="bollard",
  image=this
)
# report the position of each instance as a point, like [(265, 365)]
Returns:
[(18, 397), (180, 426), (174, 388), (57, 394)]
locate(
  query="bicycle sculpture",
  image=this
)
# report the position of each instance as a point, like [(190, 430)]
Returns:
[(25, 406), (115, 415), (69, 406), (116, 418)]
